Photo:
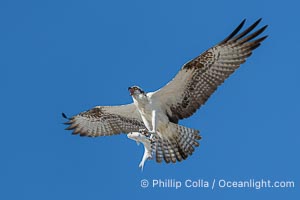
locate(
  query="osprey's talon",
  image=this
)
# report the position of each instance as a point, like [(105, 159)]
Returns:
[(152, 141), (143, 131)]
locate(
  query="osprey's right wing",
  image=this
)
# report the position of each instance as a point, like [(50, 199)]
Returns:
[(106, 120)]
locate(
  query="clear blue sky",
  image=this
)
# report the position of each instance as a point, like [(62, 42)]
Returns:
[(72, 55)]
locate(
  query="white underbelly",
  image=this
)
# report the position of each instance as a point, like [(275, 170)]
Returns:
[(161, 120)]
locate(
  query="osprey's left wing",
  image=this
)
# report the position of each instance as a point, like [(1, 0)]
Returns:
[(106, 120), (200, 77)]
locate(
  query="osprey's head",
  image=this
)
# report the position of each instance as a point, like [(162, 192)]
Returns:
[(135, 90)]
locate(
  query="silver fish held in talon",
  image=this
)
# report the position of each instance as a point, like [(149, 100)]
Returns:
[(142, 137)]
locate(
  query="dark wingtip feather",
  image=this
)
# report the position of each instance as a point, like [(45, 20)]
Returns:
[(64, 115), (71, 125), (264, 28), (236, 30), (265, 37), (253, 35), (248, 30), (234, 37), (257, 21), (259, 40)]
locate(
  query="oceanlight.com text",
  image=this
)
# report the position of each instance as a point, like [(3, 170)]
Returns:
[(220, 184)]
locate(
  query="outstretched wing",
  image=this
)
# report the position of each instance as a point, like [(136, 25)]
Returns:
[(106, 120), (200, 77)]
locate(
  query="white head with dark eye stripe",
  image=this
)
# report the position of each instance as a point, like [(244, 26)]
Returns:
[(135, 90)]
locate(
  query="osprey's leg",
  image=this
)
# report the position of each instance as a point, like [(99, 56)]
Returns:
[(153, 122), (146, 132), (151, 130), (146, 123), (154, 131)]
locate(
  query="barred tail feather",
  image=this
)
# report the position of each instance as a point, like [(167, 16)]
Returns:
[(158, 151), (166, 153), (179, 146), (187, 139)]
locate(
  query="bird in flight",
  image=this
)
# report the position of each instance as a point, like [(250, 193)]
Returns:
[(152, 118)]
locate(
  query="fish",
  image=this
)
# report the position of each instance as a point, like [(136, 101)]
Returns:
[(147, 141)]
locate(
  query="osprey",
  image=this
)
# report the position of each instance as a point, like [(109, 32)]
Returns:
[(153, 117)]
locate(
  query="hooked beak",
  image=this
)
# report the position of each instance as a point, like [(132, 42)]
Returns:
[(131, 90)]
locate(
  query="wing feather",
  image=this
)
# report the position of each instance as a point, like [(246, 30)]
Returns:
[(200, 77), (106, 120)]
